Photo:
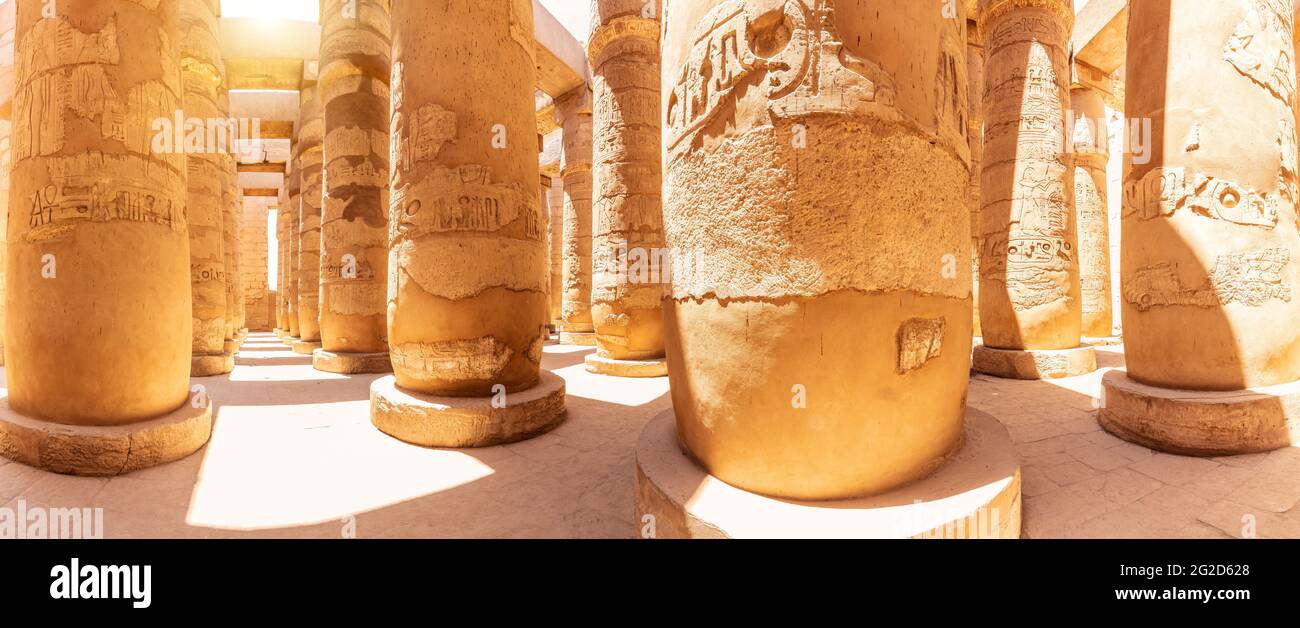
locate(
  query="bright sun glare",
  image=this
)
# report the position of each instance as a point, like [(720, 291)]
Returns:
[(303, 10)]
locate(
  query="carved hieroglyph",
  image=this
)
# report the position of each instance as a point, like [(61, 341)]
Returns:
[(201, 61), (1029, 262), (627, 242), (99, 320), (355, 69), (467, 298), (1091, 153), (815, 176), (1209, 253), (310, 157), (575, 117)]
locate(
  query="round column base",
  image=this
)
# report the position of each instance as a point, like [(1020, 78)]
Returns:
[(351, 363), (626, 368), (459, 422), (211, 364), (579, 338), (1200, 423), (104, 450), (975, 494), (1034, 363), (1103, 341), (289, 340), (306, 347), (230, 346)]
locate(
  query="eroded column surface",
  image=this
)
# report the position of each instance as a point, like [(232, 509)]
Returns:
[(230, 248), (354, 85), (1208, 257), (1029, 267), (281, 262), (202, 78), (467, 295), (7, 18), (975, 137), (574, 113), (99, 314), (311, 158), (627, 231), (817, 348), (292, 239), (555, 227), (1091, 154)]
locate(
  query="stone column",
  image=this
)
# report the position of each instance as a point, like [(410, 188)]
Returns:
[(554, 271), (573, 111), (202, 79), (1030, 308), (355, 68), (281, 264), (629, 259), (975, 137), (1091, 154), (555, 226), (1209, 267), (230, 239), (7, 18), (291, 237), (467, 301), (311, 158), (819, 326), (98, 308), (254, 266)]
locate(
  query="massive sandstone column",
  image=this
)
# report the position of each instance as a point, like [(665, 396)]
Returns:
[(230, 244), (291, 231), (818, 337), (99, 314), (355, 67), (555, 228), (281, 263), (1091, 154), (467, 299), (7, 18), (311, 158), (554, 271), (628, 255), (975, 139), (1209, 254), (254, 264), (574, 113), (1030, 309), (202, 80)]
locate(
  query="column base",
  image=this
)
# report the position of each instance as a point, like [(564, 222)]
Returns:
[(306, 347), (975, 494), (1034, 363), (1103, 341), (211, 364), (289, 340), (626, 368), (460, 422), (230, 346), (104, 451), (1200, 423), (579, 338), (351, 363)]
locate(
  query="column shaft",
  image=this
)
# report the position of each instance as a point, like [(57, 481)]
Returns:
[(574, 112), (1091, 154), (310, 157)]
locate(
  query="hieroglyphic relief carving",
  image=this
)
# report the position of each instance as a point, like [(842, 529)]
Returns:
[(1250, 278), (1261, 49), (919, 340), (461, 199), (1164, 191), (472, 359), (795, 58)]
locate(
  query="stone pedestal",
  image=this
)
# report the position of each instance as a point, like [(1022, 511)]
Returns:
[(354, 78), (1029, 264), (574, 113), (210, 365), (1209, 269), (976, 495), (305, 347), (626, 368), (817, 348), (1034, 363), (630, 263), (102, 244), (467, 294), (310, 156), (1199, 422)]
